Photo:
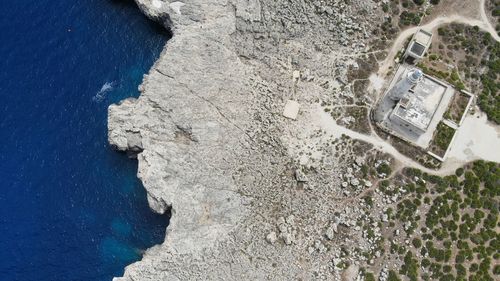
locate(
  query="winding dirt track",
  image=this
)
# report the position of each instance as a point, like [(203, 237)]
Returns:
[(483, 24), (373, 138), (484, 18)]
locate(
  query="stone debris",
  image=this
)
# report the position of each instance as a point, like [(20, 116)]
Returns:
[(319, 246), (384, 274), (360, 161), (228, 76), (287, 230), (300, 176), (330, 233), (354, 182), (271, 237)]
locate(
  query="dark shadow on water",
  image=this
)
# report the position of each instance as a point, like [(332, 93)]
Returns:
[(71, 208), (134, 229)]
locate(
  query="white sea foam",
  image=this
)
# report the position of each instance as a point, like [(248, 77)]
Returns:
[(108, 86)]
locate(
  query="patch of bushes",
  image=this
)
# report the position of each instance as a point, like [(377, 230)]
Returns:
[(489, 99), (393, 276), (408, 18), (384, 168), (443, 136), (410, 267)]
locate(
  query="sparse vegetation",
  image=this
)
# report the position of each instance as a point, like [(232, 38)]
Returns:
[(450, 77), (442, 138), (409, 18), (457, 107), (401, 13), (459, 236), (477, 58), (393, 276)]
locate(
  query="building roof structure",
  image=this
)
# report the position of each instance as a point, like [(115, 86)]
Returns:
[(414, 116), (419, 44), (420, 103)]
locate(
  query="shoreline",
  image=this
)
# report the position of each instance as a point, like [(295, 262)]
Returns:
[(212, 145)]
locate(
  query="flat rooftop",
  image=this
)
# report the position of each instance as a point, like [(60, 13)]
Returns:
[(420, 42), (423, 37), (417, 49), (423, 107), (420, 104)]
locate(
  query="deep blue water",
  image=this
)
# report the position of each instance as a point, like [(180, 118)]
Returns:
[(71, 208)]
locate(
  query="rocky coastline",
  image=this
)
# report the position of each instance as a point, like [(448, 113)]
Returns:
[(248, 192)]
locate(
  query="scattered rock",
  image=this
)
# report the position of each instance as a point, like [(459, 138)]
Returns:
[(271, 237), (300, 176), (354, 182), (329, 233)]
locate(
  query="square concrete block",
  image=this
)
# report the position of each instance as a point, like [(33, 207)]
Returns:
[(291, 109)]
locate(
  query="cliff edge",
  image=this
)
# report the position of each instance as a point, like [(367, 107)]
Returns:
[(248, 196)]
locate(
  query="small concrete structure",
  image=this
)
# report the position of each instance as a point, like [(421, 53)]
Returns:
[(418, 46), (291, 109)]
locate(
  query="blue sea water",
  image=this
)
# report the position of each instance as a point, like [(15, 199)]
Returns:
[(71, 208)]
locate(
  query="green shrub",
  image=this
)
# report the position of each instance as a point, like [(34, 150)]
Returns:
[(369, 276), (384, 168), (417, 242), (410, 267), (409, 18), (443, 136), (393, 276), (385, 7)]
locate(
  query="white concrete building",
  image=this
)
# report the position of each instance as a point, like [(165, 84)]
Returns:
[(414, 105)]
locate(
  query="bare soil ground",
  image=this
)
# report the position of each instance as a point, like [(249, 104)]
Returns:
[(457, 107), (464, 8)]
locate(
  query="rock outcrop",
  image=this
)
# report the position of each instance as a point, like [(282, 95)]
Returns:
[(211, 142)]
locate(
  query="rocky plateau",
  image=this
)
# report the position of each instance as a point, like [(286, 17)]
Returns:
[(253, 195)]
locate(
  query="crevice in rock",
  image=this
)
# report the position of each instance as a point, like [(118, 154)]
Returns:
[(184, 134)]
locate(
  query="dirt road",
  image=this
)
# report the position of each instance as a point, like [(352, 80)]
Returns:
[(376, 84), (483, 24), (329, 125)]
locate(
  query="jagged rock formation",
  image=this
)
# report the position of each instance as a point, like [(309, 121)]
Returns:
[(212, 144)]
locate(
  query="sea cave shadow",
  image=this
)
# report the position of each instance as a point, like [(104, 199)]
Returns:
[(139, 191)]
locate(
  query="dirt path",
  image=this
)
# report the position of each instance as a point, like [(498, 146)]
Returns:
[(483, 24), (329, 125), (384, 67), (377, 84), (486, 20)]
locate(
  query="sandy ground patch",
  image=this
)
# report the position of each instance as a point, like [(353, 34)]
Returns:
[(476, 139)]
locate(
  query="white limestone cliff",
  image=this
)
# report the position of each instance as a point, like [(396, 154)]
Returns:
[(210, 140)]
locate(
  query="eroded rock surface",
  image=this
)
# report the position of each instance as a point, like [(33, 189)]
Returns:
[(213, 146)]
